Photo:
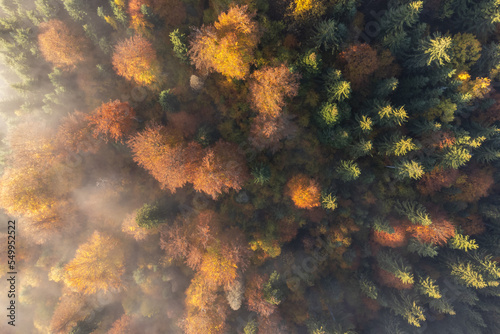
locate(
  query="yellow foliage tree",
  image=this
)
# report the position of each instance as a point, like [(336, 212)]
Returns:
[(228, 46), (97, 266)]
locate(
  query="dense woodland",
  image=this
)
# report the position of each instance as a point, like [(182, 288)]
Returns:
[(253, 166)]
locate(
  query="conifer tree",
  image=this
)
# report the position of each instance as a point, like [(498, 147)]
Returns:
[(348, 170), (409, 169), (462, 242), (428, 287), (414, 211)]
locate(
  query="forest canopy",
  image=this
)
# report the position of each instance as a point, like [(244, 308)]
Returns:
[(252, 166)]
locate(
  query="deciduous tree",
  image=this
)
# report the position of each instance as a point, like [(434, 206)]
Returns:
[(59, 45), (113, 119), (304, 191), (269, 88), (228, 46), (97, 265), (135, 59), (358, 63)]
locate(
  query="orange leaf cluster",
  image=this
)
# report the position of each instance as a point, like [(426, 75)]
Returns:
[(358, 62), (74, 135), (228, 46), (304, 191), (269, 88), (172, 11), (113, 120), (135, 59), (59, 45)]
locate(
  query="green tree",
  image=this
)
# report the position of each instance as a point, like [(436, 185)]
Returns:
[(328, 114), (414, 211), (368, 288), (455, 157), (432, 51), (329, 35), (348, 170), (409, 169), (149, 216), (465, 51), (422, 248), (169, 101), (179, 45), (397, 145), (329, 201), (389, 115), (261, 174)]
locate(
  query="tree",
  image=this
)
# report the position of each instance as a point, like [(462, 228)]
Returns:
[(329, 35), (390, 116), (328, 114), (428, 287), (422, 248), (436, 233), (462, 242), (477, 184), (433, 51), (234, 295), (221, 169), (169, 101), (74, 135), (266, 132), (228, 46), (455, 157), (304, 191), (437, 179), (149, 216), (465, 51), (254, 296), (397, 145), (409, 169), (161, 154), (269, 88), (135, 59), (60, 46), (348, 170), (72, 308), (358, 62), (122, 325), (113, 119), (179, 45), (395, 239), (97, 265), (414, 211), (305, 10)]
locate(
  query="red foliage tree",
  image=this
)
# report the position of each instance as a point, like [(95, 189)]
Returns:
[(113, 120), (59, 45), (269, 88), (304, 191), (135, 59), (472, 225), (358, 62)]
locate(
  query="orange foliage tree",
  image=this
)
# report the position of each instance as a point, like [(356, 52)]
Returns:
[(269, 88), (123, 325), (358, 62), (475, 185), (160, 153), (228, 46), (172, 11), (437, 233), (97, 266), (74, 135), (304, 191), (222, 168), (396, 239), (254, 295), (266, 132), (113, 120), (72, 308), (437, 179), (206, 312), (59, 45), (135, 59)]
